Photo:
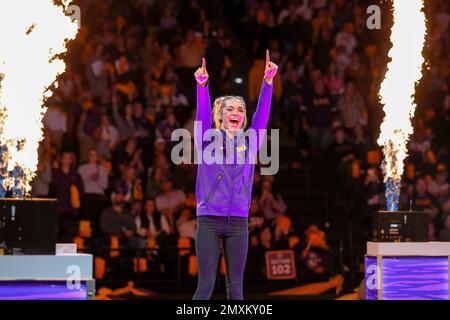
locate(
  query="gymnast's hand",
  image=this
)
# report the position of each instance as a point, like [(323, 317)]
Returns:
[(271, 69), (201, 75)]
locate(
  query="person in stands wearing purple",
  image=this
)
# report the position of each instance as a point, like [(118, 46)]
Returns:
[(224, 191)]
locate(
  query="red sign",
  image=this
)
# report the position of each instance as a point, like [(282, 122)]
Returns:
[(280, 265)]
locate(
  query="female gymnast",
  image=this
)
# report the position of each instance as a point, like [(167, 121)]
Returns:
[(224, 190)]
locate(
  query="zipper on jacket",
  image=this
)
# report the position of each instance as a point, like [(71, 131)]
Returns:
[(234, 163), (214, 187)]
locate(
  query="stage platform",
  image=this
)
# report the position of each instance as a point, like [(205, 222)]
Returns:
[(407, 271), (61, 277)]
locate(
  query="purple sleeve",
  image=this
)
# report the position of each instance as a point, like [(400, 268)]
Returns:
[(262, 113), (204, 117)]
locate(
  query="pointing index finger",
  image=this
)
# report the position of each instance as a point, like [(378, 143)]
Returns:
[(267, 58), (203, 64)]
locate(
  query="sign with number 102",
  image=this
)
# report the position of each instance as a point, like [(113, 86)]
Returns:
[(280, 265)]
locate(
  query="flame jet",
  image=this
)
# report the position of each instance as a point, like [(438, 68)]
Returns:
[(33, 34), (397, 91)]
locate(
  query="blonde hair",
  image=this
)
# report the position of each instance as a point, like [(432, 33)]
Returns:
[(218, 106)]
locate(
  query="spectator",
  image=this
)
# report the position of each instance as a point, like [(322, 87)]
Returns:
[(67, 187), (95, 72), (282, 231), (341, 151), (131, 156), (168, 21), (186, 224), (316, 256), (323, 47), (141, 131), (159, 148), (92, 141), (116, 220), (137, 209), (166, 128), (357, 72), (131, 185), (95, 181), (320, 109), (110, 134), (419, 147), (271, 205), (351, 107), (91, 112), (189, 54), (152, 224), (342, 61), (162, 163), (191, 50), (151, 51), (334, 83), (423, 201), (440, 188), (293, 90), (153, 187), (125, 124), (346, 39), (340, 155), (361, 143), (169, 202), (265, 238), (371, 189)]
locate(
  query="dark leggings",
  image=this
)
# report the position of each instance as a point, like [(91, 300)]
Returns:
[(234, 234)]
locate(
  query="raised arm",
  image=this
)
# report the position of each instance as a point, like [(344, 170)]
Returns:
[(204, 111), (262, 113)]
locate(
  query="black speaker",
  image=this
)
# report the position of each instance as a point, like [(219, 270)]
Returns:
[(400, 226), (28, 226)]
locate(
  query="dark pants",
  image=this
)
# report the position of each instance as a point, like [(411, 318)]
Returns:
[(233, 232)]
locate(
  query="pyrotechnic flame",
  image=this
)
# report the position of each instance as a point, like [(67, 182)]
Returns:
[(32, 33), (397, 90)]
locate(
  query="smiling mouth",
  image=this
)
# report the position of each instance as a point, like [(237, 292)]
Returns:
[(234, 122)]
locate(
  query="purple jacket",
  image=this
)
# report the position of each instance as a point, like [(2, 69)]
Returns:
[(226, 189)]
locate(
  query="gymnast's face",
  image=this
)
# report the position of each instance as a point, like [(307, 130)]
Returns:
[(233, 115)]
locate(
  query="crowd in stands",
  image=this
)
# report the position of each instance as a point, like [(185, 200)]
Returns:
[(129, 84)]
